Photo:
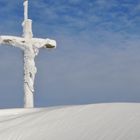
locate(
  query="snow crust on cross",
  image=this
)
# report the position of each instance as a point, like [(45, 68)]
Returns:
[(30, 47)]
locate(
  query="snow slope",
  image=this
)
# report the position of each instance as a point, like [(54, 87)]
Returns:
[(85, 122)]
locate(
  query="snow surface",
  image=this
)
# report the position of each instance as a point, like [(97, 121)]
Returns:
[(110, 121)]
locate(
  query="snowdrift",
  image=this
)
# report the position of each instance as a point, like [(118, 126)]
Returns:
[(85, 122)]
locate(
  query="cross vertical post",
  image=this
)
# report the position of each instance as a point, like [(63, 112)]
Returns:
[(29, 62)]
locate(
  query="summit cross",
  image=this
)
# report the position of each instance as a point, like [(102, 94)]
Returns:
[(30, 47)]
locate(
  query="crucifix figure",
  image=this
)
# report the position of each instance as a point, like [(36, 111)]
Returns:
[(30, 47)]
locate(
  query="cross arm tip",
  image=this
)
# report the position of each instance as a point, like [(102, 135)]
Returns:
[(44, 43), (50, 43)]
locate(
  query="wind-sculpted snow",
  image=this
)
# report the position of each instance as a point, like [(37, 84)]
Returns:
[(86, 122)]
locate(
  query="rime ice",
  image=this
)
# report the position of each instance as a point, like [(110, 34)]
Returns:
[(30, 47)]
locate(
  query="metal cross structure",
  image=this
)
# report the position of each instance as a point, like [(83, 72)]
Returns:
[(30, 47)]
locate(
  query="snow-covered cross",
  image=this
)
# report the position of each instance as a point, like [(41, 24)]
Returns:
[(30, 47)]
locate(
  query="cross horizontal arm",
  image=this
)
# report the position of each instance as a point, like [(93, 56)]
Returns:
[(12, 41), (43, 43), (21, 42)]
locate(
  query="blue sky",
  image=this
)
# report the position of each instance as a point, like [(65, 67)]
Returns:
[(97, 58)]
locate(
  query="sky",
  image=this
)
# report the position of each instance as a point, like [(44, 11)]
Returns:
[(97, 56)]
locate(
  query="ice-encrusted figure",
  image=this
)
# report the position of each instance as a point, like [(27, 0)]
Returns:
[(30, 47)]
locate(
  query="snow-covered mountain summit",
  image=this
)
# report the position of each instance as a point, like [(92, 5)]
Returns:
[(86, 122)]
